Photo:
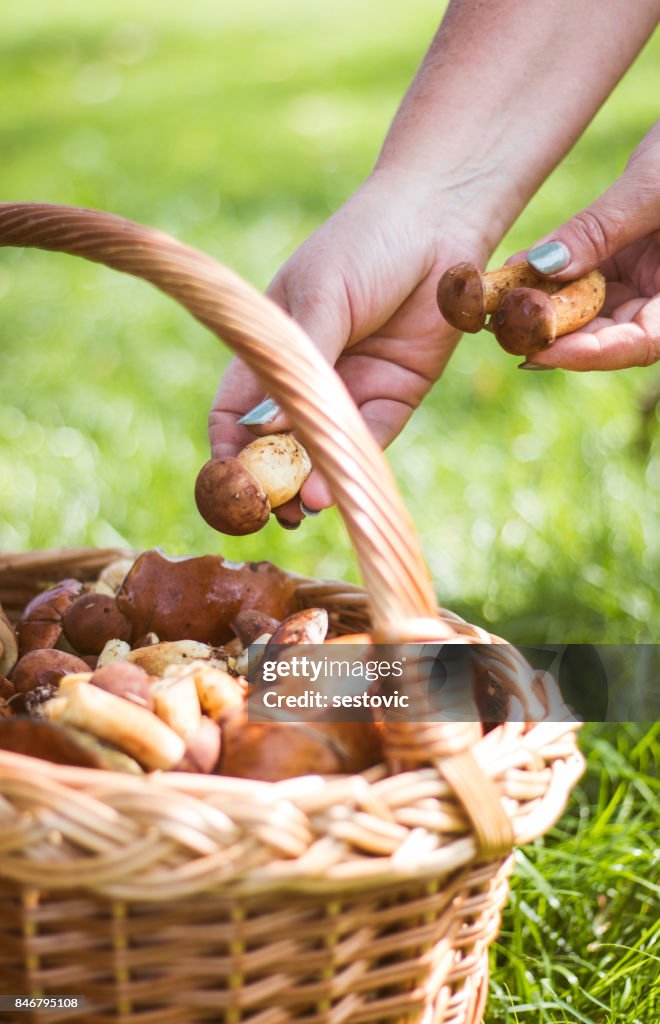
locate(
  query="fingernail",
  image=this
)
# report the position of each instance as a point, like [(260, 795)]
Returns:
[(549, 257), (260, 414), (309, 511), (286, 525), (534, 366)]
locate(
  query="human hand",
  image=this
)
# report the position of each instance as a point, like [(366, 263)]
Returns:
[(363, 287), (620, 233)]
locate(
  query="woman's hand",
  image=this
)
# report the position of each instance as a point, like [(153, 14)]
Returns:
[(620, 232), (363, 287), (491, 111)]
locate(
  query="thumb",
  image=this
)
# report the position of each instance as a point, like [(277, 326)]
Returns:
[(629, 210)]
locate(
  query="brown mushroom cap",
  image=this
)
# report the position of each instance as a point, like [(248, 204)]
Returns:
[(230, 498), (197, 598), (41, 622), (525, 321), (309, 626), (248, 625), (358, 745), (92, 620), (125, 680), (45, 668), (273, 751), (460, 296), (36, 636), (281, 750), (50, 605), (46, 740)]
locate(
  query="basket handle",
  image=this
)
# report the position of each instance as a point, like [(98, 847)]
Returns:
[(326, 419)]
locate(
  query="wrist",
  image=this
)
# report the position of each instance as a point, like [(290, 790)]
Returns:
[(464, 213)]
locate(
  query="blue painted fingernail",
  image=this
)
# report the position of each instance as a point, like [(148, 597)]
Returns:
[(534, 366), (549, 257), (260, 414), (309, 511)]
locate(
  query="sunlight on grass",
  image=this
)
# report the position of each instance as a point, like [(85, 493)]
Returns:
[(580, 939), (240, 131)]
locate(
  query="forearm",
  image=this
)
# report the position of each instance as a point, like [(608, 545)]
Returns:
[(506, 89)]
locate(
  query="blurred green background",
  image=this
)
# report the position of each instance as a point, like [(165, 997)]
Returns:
[(240, 128)]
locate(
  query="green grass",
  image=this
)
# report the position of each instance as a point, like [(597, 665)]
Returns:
[(580, 940), (239, 128)]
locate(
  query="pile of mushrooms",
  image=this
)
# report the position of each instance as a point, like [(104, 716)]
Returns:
[(147, 669)]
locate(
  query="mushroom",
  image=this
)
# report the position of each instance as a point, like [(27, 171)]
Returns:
[(527, 320), (61, 744), (229, 498), (92, 620), (365, 639), (197, 598), (273, 751), (251, 624), (218, 692), (41, 623), (466, 295), (114, 650), (125, 680), (156, 658), (177, 703), (145, 641), (282, 750), (7, 689), (8, 645), (133, 729), (114, 575), (233, 649), (202, 749), (248, 662), (358, 745), (306, 627), (7, 692), (45, 668), (236, 496)]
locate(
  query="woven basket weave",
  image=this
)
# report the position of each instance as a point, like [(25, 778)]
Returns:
[(176, 898)]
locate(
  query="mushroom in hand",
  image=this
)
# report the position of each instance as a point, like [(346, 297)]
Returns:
[(236, 496), (466, 295)]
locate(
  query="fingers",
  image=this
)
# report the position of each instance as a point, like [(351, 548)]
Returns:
[(314, 496), (630, 338), (239, 390), (628, 211)]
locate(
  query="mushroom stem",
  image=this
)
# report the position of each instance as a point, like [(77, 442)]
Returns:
[(127, 726), (177, 703)]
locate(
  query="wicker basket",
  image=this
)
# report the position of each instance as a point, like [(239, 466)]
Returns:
[(174, 899)]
